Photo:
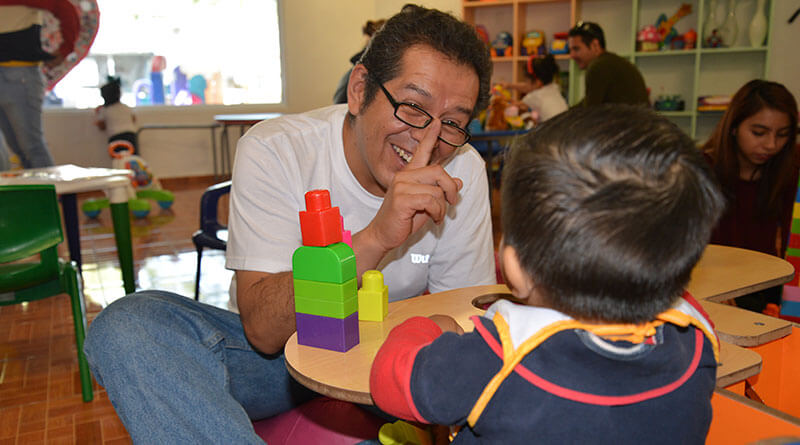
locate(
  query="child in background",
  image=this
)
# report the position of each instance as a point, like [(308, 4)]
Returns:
[(605, 212), (753, 153), (542, 93), (114, 117)]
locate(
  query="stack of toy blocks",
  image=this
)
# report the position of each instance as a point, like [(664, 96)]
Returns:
[(790, 306), (325, 286)]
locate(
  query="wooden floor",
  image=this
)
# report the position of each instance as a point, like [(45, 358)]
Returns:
[(40, 399)]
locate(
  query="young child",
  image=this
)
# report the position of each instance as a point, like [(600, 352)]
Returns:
[(605, 212), (542, 94), (114, 117)]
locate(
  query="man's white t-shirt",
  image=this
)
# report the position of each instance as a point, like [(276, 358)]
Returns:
[(547, 100), (279, 160)]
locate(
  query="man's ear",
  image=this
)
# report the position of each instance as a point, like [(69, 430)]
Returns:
[(356, 87), (595, 46)]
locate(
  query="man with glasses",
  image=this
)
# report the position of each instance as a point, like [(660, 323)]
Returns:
[(396, 161), (609, 77)]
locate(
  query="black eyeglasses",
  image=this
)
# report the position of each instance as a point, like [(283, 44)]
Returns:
[(414, 116)]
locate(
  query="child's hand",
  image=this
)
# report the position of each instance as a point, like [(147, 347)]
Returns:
[(446, 323)]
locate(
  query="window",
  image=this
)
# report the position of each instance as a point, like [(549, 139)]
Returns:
[(180, 52)]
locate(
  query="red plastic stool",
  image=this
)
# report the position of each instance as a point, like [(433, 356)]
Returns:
[(322, 420)]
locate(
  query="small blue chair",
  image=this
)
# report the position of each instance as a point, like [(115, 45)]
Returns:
[(212, 234)]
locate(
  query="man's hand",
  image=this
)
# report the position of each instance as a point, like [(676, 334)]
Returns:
[(417, 193)]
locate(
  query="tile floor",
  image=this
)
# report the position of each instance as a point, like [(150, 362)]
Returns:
[(40, 398)]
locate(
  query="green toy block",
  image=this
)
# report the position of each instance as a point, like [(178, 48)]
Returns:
[(373, 297), (330, 309), (320, 290), (331, 264)]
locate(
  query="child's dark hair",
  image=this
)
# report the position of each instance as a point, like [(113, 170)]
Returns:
[(542, 68), (609, 208), (111, 91)]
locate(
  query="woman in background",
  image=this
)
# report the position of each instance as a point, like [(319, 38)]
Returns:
[(542, 94), (753, 154)]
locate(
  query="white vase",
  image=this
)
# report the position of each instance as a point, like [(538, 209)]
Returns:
[(711, 22), (758, 26), (729, 29)]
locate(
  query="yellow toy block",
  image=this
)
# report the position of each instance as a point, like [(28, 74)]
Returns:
[(403, 433), (373, 297)]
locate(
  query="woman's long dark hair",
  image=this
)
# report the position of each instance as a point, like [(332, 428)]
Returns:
[(777, 172)]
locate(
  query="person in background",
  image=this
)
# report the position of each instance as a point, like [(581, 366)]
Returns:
[(114, 117), (606, 210), (753, 153), (396, 162), (369, 28), (542, 93), (21, 81), (609, 77)]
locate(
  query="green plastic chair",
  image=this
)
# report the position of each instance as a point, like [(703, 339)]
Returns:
[(30, 226)]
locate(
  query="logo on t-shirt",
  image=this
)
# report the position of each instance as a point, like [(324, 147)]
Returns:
[(419, 259)]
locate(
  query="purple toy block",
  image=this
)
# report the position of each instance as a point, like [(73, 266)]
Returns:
[(335, 334)]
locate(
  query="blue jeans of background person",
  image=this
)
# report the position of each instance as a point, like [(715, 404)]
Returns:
[(21, 96), (179, 371)]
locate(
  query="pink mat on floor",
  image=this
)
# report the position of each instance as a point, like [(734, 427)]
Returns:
[(321, 420)]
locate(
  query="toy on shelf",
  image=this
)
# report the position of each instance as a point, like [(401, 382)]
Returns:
[(669, 103), (501, 46), (713, 103), (663, 35), (144, 185), (690, 39), (483, 34), (533, 44), (648, 38), (560, 44), (666, 27), (324, 276), (504, 114), (714, 40)]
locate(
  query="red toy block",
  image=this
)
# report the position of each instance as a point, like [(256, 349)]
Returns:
[(320, 224), (794, 241), (794, 261)]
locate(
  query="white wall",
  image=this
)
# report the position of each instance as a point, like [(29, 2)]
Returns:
[(319, 37)]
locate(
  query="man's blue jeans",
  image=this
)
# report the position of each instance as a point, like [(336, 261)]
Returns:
[(180, 371), (21, 96)]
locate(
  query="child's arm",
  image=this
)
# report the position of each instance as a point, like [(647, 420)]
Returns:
[(391, 369), (424, 375)]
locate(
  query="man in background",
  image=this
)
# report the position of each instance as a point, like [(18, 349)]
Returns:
[(609, 77)]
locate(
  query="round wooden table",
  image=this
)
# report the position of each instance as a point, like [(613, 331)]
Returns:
[(722, 273)]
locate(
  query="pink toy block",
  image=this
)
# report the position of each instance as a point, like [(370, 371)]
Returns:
[(335, 334), (320, 224), (791, 293), (347, 238)]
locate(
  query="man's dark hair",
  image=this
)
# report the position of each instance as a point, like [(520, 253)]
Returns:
[(415, 25), (609, 208), (589, 31), (111, 91)]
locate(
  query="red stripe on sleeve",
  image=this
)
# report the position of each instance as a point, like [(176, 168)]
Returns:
[(390, 376)]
